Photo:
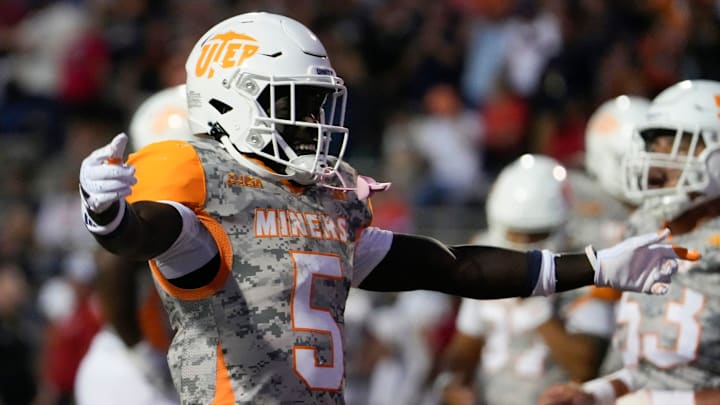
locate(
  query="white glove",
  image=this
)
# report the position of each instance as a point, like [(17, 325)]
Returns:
[(639, 264), (104, 179)]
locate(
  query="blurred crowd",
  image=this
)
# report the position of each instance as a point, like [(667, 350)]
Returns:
[(442, 96)]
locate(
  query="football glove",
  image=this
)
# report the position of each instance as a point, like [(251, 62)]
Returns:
[(641, 264), (104, 178)]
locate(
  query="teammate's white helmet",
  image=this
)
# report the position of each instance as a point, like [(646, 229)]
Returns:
[(162, 116), (530, 196), (255, 81), (607, 139), (688, 111)]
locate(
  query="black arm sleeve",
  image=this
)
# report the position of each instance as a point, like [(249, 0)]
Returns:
[(147, 229), (483, 272)]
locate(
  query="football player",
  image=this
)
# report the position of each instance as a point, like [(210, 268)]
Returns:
[(669, 344), (600, 205), (255, 233), (521, 344)]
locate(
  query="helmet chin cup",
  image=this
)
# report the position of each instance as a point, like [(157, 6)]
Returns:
[(301, 169)]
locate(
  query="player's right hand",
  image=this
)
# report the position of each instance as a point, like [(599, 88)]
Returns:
[(104, 178)]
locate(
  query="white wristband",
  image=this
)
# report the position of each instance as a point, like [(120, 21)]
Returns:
[(98, 229), (602, 389), (547, 278), (592, 258)]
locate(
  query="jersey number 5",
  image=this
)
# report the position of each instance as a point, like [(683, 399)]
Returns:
[(308, 318)]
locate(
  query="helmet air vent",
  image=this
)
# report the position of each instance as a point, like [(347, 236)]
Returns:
[(220, 106)]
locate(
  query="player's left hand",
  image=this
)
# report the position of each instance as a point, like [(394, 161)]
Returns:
[(104, 178), (642, 263)]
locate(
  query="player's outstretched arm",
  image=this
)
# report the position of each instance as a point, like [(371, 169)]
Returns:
[(140, 231), (642, 263)]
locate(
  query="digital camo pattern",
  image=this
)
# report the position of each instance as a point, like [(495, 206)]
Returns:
[(677, 341), (596, 218), (250, 317), (516, 362)]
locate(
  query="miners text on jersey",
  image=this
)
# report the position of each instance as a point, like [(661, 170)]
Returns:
[(270, 222)]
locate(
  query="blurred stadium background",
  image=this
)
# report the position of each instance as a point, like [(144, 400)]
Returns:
[(442, 94)]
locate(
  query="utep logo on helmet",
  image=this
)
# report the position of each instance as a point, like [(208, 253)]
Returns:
[(229, 49)]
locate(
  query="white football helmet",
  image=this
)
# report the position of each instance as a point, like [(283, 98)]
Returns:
[(607, 139), (529, 196), (162, 116), (689, 111), (262, 84)]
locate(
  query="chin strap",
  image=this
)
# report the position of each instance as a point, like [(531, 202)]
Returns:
[(364, 188)]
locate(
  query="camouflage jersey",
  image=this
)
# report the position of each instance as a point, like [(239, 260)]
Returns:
[(673, 341), (269, 327)]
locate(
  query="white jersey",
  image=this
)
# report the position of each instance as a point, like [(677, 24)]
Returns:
[(400, 379), (113, 374)]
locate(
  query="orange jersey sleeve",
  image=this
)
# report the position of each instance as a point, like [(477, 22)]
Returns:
[(169, 170)]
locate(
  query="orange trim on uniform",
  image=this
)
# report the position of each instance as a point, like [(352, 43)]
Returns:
[(370, 208), (172, 170), (152, 322), (223, 388), (226, 257), (168, 170), (605, 293), (296, 189)]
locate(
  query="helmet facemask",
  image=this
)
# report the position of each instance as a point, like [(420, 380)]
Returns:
[(677, 178), (296, 117), (680, 170), (297, 124), (674, 161)]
